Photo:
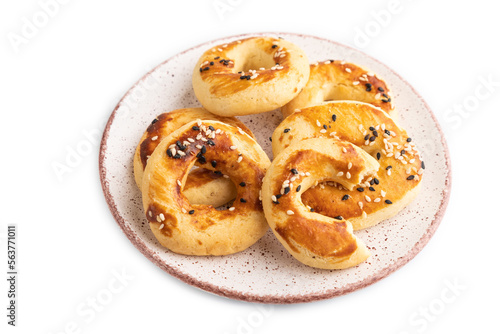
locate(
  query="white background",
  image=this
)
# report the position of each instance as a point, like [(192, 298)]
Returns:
[(65, 80)]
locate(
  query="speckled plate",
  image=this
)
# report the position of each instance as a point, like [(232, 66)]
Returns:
[(266, 272)]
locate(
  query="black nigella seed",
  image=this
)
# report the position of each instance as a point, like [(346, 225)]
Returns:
[(191, 212), (210, 142), (270, 139), (274, 46), (169, 153), (218, 172), (380, 89), (378, 155), (408, 140), (368, 87), (177, 156), (423, 165), (385, 95), (312, 210), (211, 63), (325, 127), (388, 167), (278, 196), (338, 218), (403, 152), (372, 182), (217, 57), (372, 189), (248, 77), (388, 201), (387, 132), (201, 70), (286, 130), (375, 133), (298, 188), (243, 77), (376, 181), (360, 189), (411, 177), (211, 128), (214, 163), (367, 137), (345, 197), (196, 128), (154, 121), (242, 200), (178, 144), (203, 149), (287, 190), (372, 128), (372, 138), (198, 154), (386, 100), (242, 184), (334, 117), (206, 68), (294, 171), (202, 160)]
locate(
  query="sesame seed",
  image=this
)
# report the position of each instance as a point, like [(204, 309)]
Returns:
[(376, 200), (355, 83), (162, 226), (239, 159), (382, 193), (233, 147), (360, 204), (308, 174), (318, 123), (290, 212), (348, 70), (322, 131), (150, 213), (368, 199), (364, 214), (349, 166), (344, 150), (158, 219), (348, 175), (340, 173), (179, 183), (154, 138), (232, 208)]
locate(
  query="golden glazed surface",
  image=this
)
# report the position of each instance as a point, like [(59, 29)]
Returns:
[(192, 229), (203, 186), (249, 76), (338, 80), (378, 197), (314, 239)]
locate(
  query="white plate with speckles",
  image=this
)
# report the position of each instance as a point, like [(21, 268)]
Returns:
[(266, 272)]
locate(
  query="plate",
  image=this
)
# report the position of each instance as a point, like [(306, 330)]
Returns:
[(266, 272)]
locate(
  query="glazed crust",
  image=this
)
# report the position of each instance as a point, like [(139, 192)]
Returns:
[(314, 239), (337, 80), (250, 76), (203, 186), (380, 197), (201, 229)]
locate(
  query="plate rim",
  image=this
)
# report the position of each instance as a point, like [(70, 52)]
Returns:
[(271, 299)]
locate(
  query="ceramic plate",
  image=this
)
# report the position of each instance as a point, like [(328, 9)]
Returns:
[(266, 272)]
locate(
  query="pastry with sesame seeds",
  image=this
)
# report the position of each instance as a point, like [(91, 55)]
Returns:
[(199, 229), (250, 76), (311, 237)]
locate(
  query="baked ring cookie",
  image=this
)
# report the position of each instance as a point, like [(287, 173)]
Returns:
[(314, 239), (202, 186), (338, 80), (201, 229), (380, 197), (249, 76)]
